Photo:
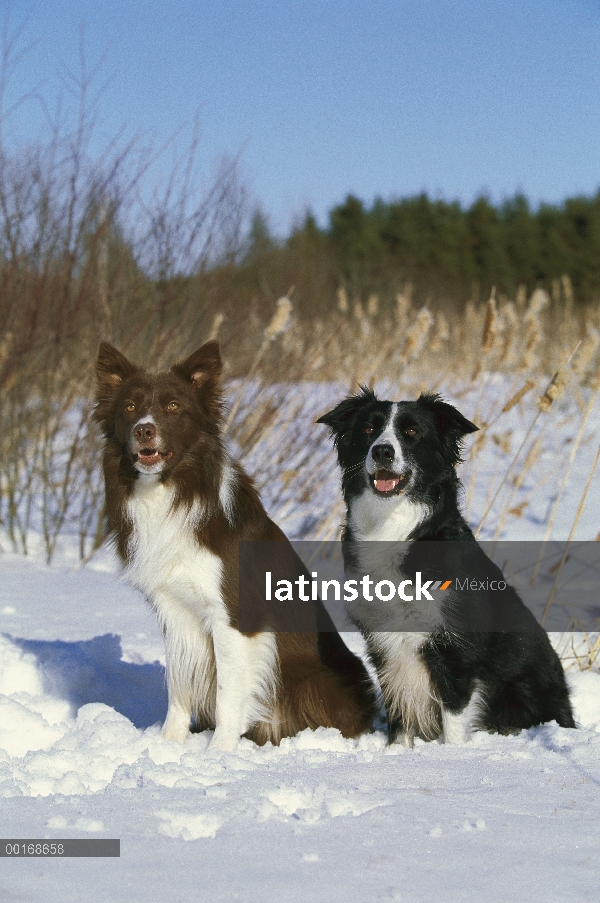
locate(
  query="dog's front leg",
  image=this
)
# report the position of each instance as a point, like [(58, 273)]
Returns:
[(245, 679), (183, 643), (459, 726), (456, 727), (234, 686), (177, 722)]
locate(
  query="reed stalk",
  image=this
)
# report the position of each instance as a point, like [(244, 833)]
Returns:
[(578, 514), (575, 447), (553, 391), (279, 323)]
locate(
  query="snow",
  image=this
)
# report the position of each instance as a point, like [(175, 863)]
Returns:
[(320, 818)]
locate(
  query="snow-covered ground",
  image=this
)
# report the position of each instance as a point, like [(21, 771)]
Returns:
[(319, 818)]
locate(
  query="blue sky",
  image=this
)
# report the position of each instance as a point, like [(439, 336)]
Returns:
[(454, 97)]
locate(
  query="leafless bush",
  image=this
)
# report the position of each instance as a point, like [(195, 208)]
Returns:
[(83, 257)]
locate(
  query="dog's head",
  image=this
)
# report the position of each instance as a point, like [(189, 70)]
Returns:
[(395, 447), (157, 418)]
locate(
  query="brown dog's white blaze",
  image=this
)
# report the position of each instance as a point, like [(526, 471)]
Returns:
[(177, 507), (145, 446)]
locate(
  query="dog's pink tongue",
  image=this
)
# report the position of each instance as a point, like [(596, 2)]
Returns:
[(386, 485)]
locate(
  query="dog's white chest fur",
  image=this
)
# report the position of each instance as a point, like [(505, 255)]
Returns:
[(166, 562), (377, 519)]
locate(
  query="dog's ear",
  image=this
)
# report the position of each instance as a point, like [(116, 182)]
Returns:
[(341, 417), (112, 368), (202, 366), (451, 424), (202, 369)]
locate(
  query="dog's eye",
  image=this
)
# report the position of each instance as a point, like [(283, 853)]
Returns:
[(368, 430), (173, 406), (130, 407), (411, 431)]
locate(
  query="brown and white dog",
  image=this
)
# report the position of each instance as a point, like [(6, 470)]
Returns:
[(177, 508)]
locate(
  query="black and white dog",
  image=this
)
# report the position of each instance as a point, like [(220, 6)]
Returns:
[(448, 662)]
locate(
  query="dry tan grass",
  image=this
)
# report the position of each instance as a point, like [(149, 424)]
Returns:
[(578, 650), (48, 458)]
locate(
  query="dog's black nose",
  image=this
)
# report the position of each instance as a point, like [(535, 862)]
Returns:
[(144, 432), (383, 454)]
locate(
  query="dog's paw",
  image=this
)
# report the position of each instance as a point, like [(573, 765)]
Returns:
[(224, 740), (174, 734), (177, 724), (402, 738), (456, 728)]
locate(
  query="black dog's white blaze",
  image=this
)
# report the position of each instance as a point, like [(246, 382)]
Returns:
[(382, 510), (385, 463), (399, 482)]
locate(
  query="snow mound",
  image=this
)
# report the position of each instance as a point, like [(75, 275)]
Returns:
[(47, 749)]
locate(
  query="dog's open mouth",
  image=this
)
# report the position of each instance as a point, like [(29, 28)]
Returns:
[(387, 483), (150, 456)]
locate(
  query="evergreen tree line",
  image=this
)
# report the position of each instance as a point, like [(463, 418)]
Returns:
[(446, 252)]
